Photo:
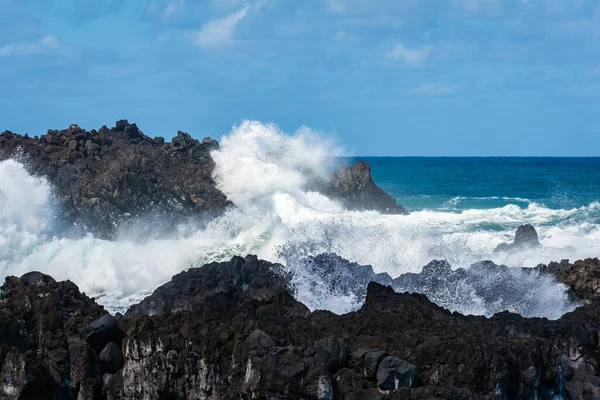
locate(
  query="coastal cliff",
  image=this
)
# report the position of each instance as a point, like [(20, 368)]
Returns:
[(109, 178), (234, 330)]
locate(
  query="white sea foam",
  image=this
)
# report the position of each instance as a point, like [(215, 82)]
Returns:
[(265, 173)]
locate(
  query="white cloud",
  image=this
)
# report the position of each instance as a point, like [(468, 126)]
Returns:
[(432, 89), (409, 57), (45, 45), (219, 32)]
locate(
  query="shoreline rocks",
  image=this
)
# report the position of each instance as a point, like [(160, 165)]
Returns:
[(233, 330), (108, 178), (353, 185), (525, 237), (112, 178)]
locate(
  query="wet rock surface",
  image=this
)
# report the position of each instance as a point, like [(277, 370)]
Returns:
[(582, 277), (525, 237), (233, 330), (111, 177), (41, 355), (115, 177), (354, 187)]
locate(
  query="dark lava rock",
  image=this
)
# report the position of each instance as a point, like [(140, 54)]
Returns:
[(340, 276), (232, 330), (261, 341), (40, 355), (114, 177), (85, 371), (111, 358), (525, 237), (188, 291), (36, 278), (394, 373), (102, 331), (354, 186), (458, 356), (332, 352), (582, 277)]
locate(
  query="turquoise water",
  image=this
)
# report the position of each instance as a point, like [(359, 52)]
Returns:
[(462, 183)]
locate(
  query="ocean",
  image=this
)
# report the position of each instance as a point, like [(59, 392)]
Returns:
[(460, 210)]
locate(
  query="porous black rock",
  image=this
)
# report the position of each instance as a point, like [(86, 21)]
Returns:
[(109, 179), (102, 331), (582, 277), (394, 373), (111, 358), (36, 278), (525, 237), (353, 185), (233, 330), (332, 352)]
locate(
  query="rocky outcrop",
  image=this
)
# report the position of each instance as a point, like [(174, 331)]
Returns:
[(41, 353), (233, 330), (340, 277), (525, 237), (112, 177), (582, 277), (354, 187), (249, 339)]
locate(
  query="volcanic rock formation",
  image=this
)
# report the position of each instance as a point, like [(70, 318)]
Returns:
[(109, 178), (233, 330), (354, 186), (525, 237)]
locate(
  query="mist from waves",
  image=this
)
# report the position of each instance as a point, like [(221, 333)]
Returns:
[(265, 172)]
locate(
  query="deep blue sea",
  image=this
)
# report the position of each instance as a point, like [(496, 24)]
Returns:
[(462, 183)]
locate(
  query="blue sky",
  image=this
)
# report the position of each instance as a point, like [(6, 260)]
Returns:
[(410, 77)]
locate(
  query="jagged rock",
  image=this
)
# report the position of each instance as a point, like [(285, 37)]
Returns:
[(111, 358), (36, 278), (371, 363), (114, 177), (342, 277), (525, 237), (85, 371), (582, 277), (259, 340), (394, 373), (39, 319), (354, 186), (207, 324), (110, 178), (102, 331), (332, 352), (188, 291)]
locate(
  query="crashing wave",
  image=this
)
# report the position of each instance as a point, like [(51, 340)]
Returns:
[(278, 219)]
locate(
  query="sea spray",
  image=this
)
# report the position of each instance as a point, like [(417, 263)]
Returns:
[(266, 173), (25, 211)]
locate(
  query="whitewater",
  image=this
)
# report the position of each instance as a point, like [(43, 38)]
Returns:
[(265, 172)]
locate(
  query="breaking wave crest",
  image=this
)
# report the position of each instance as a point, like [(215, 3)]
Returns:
[(265, 173)]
